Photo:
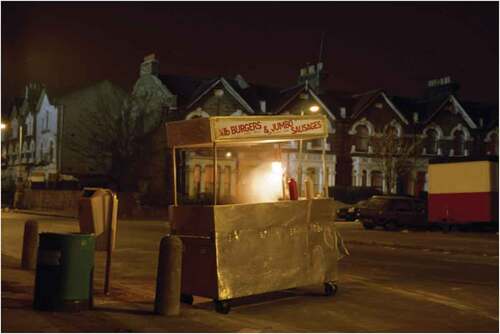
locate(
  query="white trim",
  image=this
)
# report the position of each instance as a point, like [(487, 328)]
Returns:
[(434, 127), (395, 109), (395, 124), (197, 113), (230, 89), (238, 112), (462, 111), (323, 106), (460, 127), (487, 139), (365, 122)]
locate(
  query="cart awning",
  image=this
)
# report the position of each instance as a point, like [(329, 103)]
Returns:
[(233, 130)]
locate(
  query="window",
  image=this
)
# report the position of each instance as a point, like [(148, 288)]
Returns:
[(196, 180), (363, 178), (362, 138), (29, 125), (458, 143), (492, 145), (311, 174), (392, 131), (14, 129), (209, 179), (377, 180), (317, 143), (431, 143)]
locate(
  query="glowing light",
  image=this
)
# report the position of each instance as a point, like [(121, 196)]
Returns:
[(276, 168), (2, 126), (264, 183), (314, 108), (228, 154)]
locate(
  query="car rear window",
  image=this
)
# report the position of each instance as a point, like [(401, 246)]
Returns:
[(377, 202)]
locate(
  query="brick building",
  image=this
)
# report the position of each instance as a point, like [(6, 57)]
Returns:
[(444, 125)]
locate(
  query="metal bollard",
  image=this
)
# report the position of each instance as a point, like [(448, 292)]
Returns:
[(30, 245), (168, 280)]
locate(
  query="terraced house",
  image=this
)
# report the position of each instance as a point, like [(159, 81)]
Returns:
[(440, 122)]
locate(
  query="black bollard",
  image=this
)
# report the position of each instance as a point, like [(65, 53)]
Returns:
[(168, 280), (30, 245)]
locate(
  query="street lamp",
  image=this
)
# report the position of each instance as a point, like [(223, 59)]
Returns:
[(314, 108)]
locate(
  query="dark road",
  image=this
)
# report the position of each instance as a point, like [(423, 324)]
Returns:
[(426, 288)]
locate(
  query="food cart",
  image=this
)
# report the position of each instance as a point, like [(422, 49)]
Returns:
[(235, 250)]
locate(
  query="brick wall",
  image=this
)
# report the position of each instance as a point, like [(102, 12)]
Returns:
[(66, 201)]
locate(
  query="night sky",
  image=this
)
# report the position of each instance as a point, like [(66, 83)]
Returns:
[(396, 46)]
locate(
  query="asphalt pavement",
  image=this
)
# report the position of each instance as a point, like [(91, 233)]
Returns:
[(407, 281)]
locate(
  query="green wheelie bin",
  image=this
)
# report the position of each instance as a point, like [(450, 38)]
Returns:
[(64, 272)]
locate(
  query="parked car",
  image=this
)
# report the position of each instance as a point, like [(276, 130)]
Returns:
[(350, 213), (392, 212)]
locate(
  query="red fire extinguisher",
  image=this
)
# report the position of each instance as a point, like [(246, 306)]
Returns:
[(292, 189)]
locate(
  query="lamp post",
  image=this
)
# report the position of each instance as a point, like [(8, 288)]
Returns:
[(313, 109)]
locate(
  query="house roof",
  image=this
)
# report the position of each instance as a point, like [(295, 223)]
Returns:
[(188, 89)]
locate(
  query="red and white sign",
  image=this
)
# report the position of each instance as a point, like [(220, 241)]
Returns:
[(268, 127)]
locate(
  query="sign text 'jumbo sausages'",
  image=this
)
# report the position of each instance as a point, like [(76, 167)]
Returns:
[(266, 128)]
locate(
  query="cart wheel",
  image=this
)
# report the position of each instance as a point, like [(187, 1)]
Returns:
[(222, 306), (331, 289), (186, 299)]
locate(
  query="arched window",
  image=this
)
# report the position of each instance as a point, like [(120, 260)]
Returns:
[(209, 179), (492, 145), (362, 138), (431, 143), (391, 131), (459, 143)]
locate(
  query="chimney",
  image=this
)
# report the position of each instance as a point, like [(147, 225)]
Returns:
[(441, 87), (312, 69), (312, 75), (150, 65), (262, 106), (415, 117), (343, 112)]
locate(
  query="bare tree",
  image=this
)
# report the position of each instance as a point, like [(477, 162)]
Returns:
[(395, 155), (112, 135)]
